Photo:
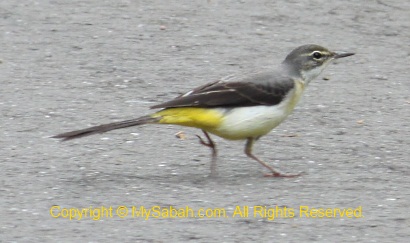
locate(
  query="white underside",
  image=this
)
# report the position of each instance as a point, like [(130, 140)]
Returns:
[(256, 121), (248, 122)]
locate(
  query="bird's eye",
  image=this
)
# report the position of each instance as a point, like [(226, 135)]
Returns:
[(317, 55)]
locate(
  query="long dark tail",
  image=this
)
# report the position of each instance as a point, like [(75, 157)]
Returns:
[(106, 127)]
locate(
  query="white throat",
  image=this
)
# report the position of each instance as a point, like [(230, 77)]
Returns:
[(313, 73)]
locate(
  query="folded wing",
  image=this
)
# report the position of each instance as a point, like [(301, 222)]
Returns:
[(260, 89)]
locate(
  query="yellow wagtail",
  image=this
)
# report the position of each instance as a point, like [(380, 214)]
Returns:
[(244, 107)]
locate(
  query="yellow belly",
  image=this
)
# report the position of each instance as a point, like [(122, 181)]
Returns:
[(191, 117)]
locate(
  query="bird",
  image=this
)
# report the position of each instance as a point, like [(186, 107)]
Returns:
[(239, 107)]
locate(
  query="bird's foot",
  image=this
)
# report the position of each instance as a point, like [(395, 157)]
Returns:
[(201, 141)]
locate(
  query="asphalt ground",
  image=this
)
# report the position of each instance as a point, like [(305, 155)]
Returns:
[(70, 64)]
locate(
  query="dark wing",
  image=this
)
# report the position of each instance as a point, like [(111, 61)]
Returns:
[(261, 89)]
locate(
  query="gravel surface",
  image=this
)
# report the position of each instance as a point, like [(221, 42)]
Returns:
[(71, 64)]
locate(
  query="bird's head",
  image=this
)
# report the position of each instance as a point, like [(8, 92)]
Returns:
[(308, 61)]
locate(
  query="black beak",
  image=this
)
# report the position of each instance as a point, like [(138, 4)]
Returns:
[(342, 54)]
